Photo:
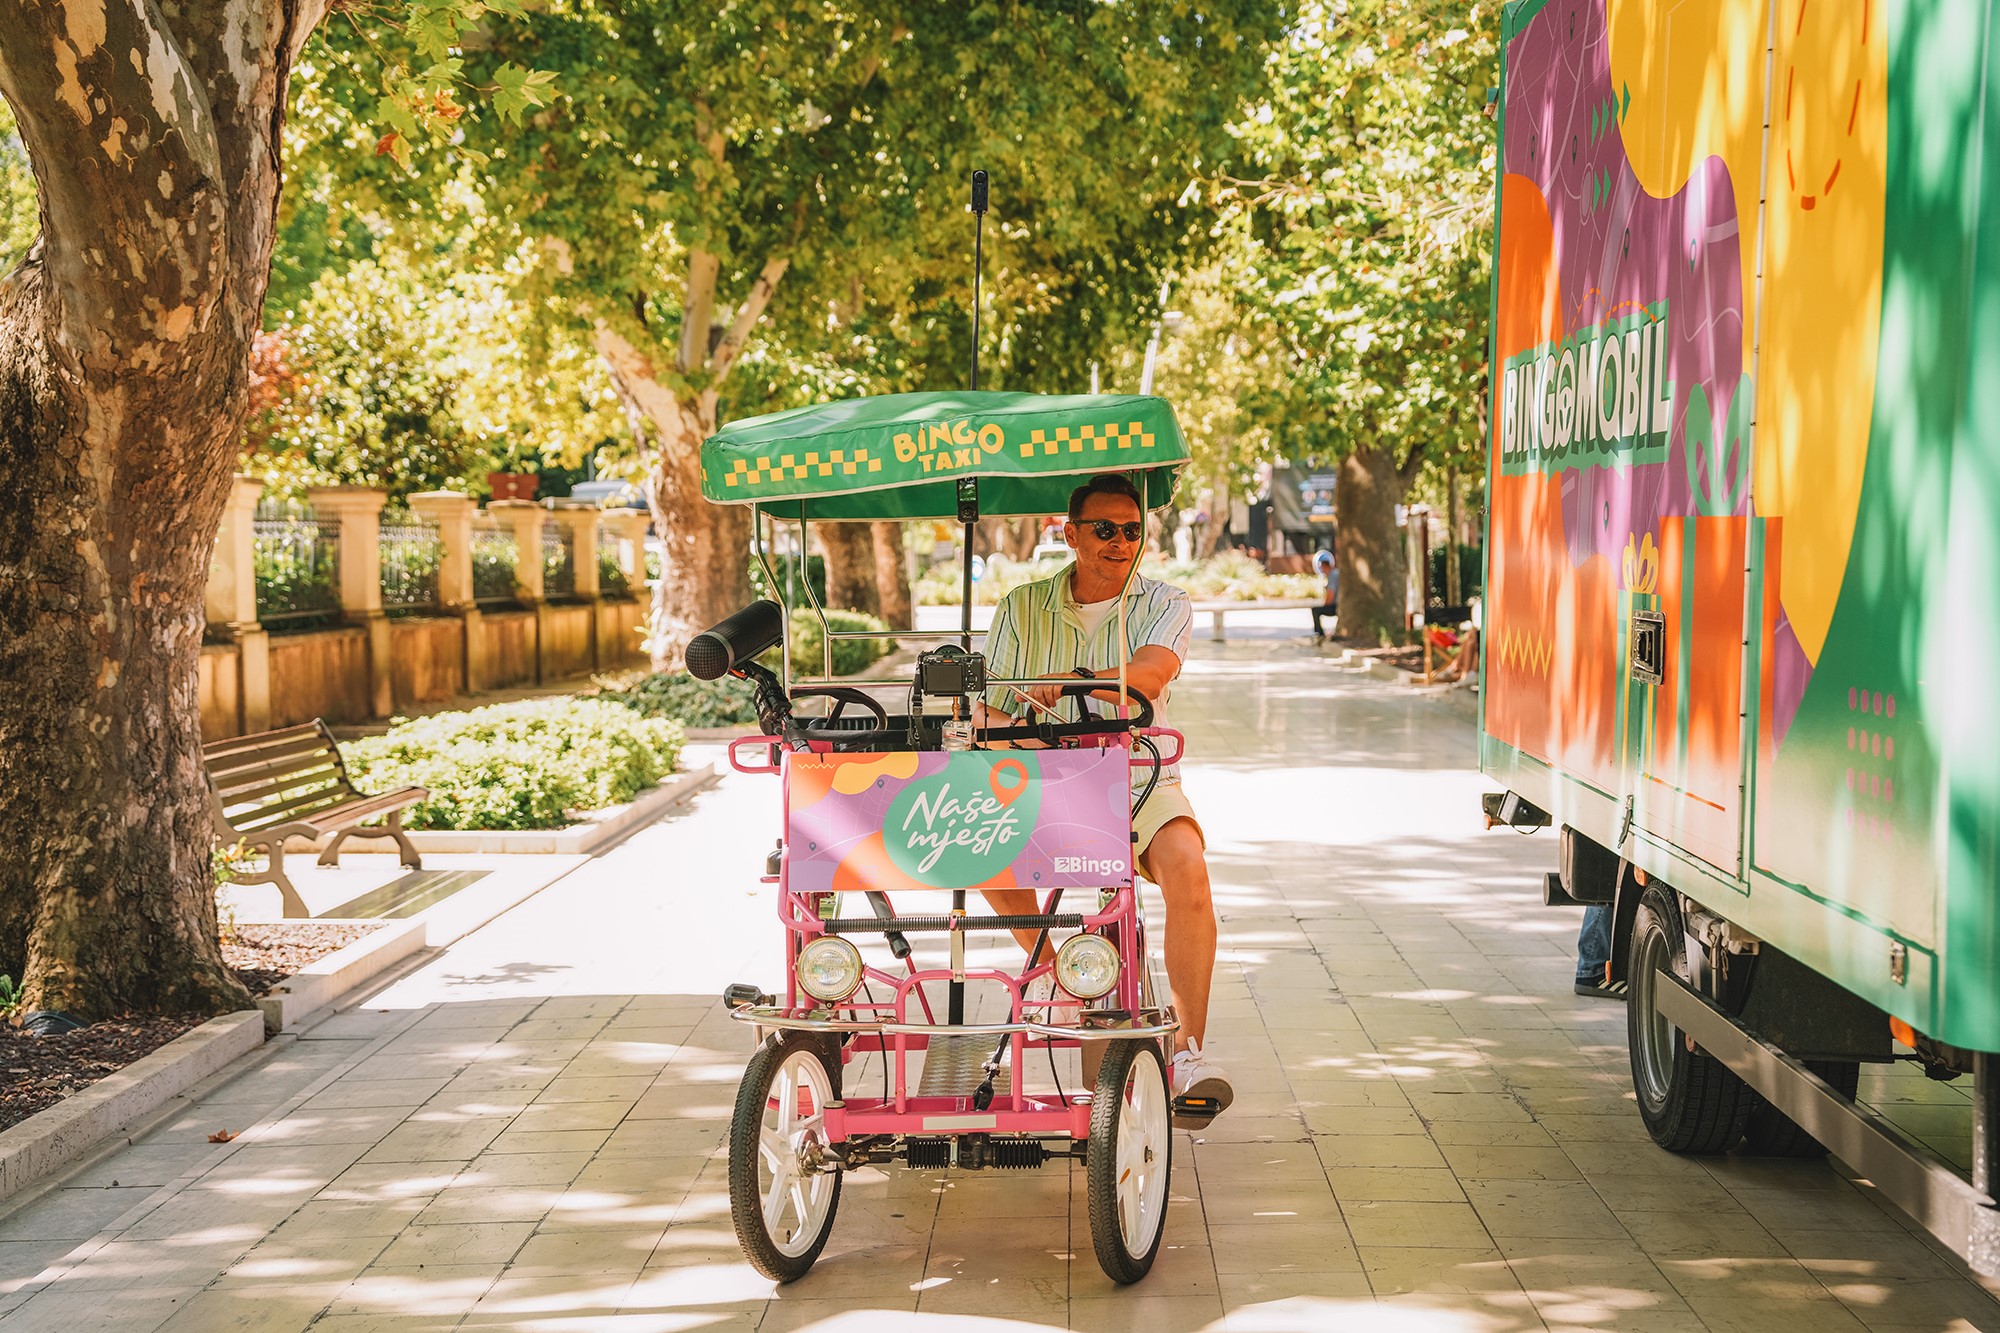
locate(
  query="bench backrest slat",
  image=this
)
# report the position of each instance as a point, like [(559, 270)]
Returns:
[(282, 789), (298, 807), (219, 752), (249, 784), (276, 776)]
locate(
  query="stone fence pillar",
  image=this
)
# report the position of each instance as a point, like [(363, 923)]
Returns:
[(453, 513), (358, 511), (232, 602), (524, 519), (628, 527), (580, 522)]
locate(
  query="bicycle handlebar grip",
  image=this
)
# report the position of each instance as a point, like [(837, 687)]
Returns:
[(736, 640)]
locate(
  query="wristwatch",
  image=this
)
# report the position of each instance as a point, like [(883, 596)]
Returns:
[(1085, 672)]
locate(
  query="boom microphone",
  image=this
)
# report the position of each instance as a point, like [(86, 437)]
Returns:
[(736, 640)]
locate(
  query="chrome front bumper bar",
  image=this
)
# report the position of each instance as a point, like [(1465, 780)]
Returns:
[(1147, 1024)]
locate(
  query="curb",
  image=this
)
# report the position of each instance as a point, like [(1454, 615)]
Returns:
[(326, 982), (49, 1140)]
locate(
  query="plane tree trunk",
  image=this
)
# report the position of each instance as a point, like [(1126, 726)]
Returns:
[(153, 133), (892, 576), (705, 566), (850, 566), (1374, 572)]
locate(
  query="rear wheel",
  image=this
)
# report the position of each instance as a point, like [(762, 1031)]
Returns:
[(783, 1186), (1690, 1101), (1774, 1134), (1130, 1159)]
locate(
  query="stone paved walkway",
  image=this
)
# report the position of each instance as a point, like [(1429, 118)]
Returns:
[(1431, 1133)]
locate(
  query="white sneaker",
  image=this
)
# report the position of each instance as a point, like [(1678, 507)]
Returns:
[(1201, 1090)]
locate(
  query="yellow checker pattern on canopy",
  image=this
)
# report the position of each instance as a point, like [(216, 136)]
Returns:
[(840, 462), (1092, 438)]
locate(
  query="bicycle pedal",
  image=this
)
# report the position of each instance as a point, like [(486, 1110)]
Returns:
[(1195, 1112)]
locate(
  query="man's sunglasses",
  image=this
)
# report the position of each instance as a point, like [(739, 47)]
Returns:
[(1106, 529)]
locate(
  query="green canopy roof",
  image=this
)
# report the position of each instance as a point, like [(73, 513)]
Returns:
[(902, 455)]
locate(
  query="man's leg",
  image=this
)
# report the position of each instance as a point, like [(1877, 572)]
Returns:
[(1593, 954), (1175, 861), (1019, 902)]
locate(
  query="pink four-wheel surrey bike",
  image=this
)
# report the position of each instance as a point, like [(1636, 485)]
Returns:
[(893, 820)]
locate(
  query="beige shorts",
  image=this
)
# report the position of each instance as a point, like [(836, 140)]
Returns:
[(1167, 803)]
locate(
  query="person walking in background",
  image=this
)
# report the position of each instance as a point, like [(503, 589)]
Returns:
[(1329, 569), (1593, 955)]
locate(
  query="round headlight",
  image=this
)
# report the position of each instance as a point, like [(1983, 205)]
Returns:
[(829, 968), (1087, 966)]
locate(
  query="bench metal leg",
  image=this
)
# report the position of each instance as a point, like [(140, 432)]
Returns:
[(274, 873), (1215, 626), (392, 829)]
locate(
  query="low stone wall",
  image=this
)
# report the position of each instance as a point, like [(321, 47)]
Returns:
[(512, 649), (221, 698), (621, 629), (426, 659), (568, 647), (322, 673)]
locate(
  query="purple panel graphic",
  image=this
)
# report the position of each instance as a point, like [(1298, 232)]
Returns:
[(1619, 248), (1036, 819)]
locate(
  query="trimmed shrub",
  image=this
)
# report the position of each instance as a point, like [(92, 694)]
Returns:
[(849, 655), (679, 697), (529, 765)]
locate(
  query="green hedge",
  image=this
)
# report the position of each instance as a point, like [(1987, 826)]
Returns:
[(849, 655), (679, 697), (528, 765)]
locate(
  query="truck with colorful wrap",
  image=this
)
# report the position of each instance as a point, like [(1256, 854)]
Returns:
[(1744, 532)]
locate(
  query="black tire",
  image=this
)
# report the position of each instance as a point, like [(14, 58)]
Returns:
[(1690, 1100), (1131, 1112), (786, 1257), (1772, 1133)]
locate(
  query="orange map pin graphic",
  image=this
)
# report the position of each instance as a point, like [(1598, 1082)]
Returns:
[(1009, 779)]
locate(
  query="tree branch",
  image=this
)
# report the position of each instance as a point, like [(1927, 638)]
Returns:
[(747, 315), (698, 310)]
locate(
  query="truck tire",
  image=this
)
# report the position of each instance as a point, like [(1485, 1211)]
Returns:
[(1772, 1133), (1690, 1101)]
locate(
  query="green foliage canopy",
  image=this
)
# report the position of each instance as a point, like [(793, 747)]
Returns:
[(1363, 219), (689, 151)]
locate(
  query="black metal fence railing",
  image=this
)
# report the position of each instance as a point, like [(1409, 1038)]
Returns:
[(494, 558), (558, 561), (296, 562), (611, 579), (412, 552)]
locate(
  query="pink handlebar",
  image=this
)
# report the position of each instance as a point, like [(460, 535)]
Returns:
[(1180, 747), (768, 742)]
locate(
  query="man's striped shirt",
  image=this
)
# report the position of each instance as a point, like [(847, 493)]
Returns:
[(1037, 631)]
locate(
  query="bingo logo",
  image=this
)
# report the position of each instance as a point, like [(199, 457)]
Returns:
[(1087, 865)]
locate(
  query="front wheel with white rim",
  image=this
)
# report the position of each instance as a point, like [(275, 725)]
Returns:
[(784, 1185), (1130, 1159)]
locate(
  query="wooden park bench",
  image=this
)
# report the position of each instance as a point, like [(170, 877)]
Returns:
[(1220, 608), (291, 783)]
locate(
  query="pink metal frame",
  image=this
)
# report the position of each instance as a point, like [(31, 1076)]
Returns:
[(904, 1112)]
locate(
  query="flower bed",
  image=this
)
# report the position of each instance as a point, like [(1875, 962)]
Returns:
[(529, 765)]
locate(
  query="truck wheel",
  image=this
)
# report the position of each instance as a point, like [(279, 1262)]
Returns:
[(1772, 1133), (1689, 1100)]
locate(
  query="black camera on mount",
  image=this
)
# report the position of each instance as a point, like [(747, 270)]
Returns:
[(950, 672), (950, 680)]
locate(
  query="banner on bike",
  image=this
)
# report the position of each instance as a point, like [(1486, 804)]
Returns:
[(1034, 819)]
